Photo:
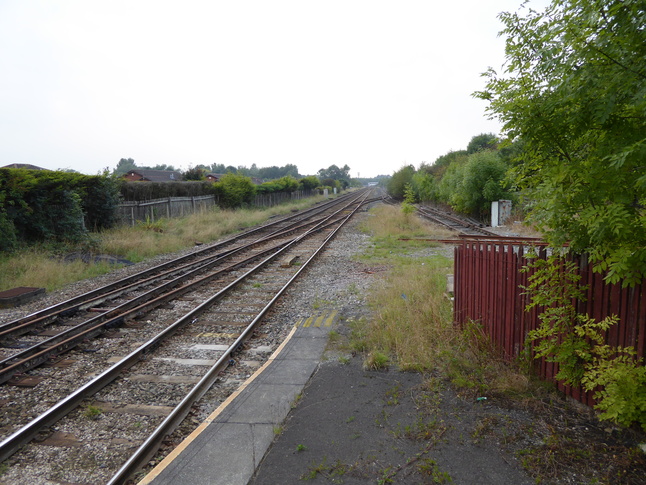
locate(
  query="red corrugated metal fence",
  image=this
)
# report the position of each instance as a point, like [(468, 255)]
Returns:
[(487, 288)]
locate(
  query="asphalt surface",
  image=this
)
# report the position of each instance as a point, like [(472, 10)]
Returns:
[(315, 415), (354, 426)]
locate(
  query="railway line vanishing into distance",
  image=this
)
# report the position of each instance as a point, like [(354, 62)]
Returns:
[(149, 346)]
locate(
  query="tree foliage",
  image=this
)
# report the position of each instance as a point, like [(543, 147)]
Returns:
[(234, 190), (283, 184), (574, 91), (400, 179), (310, 182), (485, 141), (577, 343), (124, 166), (195, 173), (341, 175), (44, 205), (478, 182)]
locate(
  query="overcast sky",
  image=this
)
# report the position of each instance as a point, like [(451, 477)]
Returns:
[(372, 84)]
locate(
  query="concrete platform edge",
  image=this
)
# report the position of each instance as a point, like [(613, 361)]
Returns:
[(224, 416)]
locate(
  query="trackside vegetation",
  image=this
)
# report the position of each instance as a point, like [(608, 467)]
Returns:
[(43, 264), (43, 205), (413, 319), (411, 328), (465, 180), (573, 92), (572, 100)]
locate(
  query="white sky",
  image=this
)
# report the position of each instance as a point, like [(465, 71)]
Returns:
[(373, 84)]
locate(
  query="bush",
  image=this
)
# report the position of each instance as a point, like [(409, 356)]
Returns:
[(309, 183), (399, 180), (8, 239), (44, 205), (283, 184), (234, 190)]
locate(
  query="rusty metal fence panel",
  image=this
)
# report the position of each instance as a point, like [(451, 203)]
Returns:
[(488, 289)]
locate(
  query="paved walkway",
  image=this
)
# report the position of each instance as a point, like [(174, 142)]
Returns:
[(304, 418)]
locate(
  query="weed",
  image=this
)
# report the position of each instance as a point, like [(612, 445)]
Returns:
[(350, 419), (343, 359), (152, 225), (297, 399), (335, 470), (386, 476), (92, 412), (318, 303), (257, 285), (278, 430), (4, 467), (483, 427), (353, 289), (301, 447), (376, 360), (393, 395), (429, 468)]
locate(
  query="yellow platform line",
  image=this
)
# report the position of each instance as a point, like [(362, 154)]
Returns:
[(308, 322), (325, 320), (330, 319)]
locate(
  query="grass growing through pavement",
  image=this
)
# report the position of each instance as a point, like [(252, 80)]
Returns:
[(41, 265)]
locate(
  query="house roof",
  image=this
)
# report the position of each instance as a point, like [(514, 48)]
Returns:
[(23, 165), (215, 175), (157, 175)]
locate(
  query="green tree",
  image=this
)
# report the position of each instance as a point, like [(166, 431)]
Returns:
[(397, 184), (194, 173), (234, 190), (574, 91), (342, 175), (485, 141), (124, 166), (309, 183), (482, 184)]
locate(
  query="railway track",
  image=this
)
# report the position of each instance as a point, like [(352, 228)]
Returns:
[(462, 225), (147, 348)]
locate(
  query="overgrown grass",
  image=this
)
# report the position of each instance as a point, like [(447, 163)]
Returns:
[(412, 319), (42, 266)]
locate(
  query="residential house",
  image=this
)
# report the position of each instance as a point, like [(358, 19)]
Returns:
[(146, 175)]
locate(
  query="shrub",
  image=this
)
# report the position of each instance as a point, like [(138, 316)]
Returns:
[(234, 190)]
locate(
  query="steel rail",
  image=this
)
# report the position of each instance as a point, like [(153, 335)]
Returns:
[(197, 265), (39, 353), (22, 436), (73, 305), (172, 421), (441, 217), (68, 339)]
